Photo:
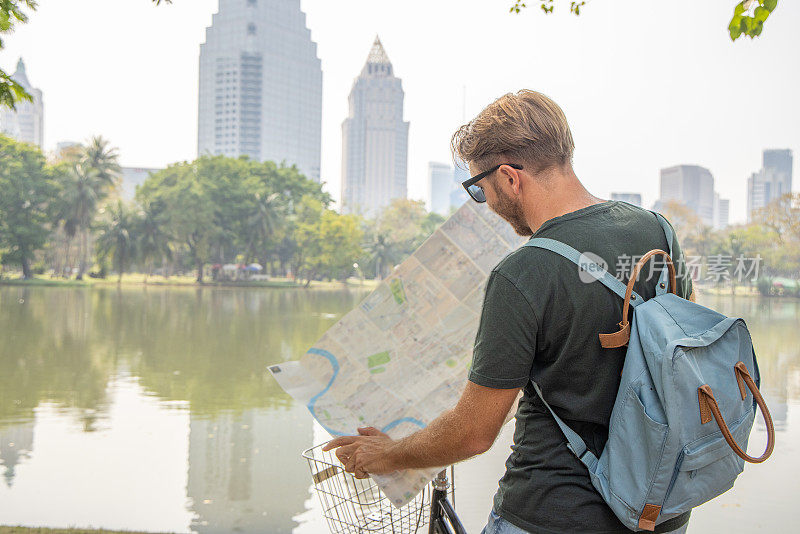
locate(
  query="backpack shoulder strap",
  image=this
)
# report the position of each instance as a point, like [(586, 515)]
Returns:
[(662, 287), (574, 441), (598, 272)]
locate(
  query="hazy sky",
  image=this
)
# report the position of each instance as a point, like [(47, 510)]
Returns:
[(644, 83)]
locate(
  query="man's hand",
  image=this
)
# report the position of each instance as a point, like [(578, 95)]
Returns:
[(365, 454), (468, 429)]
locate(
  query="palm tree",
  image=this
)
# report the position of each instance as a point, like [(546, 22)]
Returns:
[(383, 252), (118, 237), (152, 241), (263, 221), (91, 178)]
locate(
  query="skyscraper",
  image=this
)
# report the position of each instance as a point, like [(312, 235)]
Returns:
[(692, 186), (771, 182), (440, 185), (26, 124), (261, 85), (374, 138), (460, 174), (722, 209)]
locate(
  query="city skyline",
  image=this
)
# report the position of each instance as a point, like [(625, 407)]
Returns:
[(673, 121)]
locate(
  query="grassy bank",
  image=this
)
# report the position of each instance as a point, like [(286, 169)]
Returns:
[(36, 530), (140, 280)]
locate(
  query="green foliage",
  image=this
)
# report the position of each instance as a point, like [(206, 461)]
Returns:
[(87, 177), (547, 6), (228, 210), (12, 12), (118, 236), (331, 242), (397, 232), (26, 188), (211, 210), (749, 17)]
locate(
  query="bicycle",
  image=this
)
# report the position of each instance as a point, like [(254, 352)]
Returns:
[(355, 506), (443, 518)]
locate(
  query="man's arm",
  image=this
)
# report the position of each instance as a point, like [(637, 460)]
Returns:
[(468, 429)]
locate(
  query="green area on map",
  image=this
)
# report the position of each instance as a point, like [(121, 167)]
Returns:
[(380, 358), (398, 292)]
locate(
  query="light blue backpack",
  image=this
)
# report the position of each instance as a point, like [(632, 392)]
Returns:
[(685, 365)]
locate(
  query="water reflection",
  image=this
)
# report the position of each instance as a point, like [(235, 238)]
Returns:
[(245, 473), (150, 409), (16, 444), (198, 351)]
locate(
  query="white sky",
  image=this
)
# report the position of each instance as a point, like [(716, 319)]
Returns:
[(645, 83)]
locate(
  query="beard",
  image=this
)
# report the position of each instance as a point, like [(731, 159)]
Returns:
[(511, 211)]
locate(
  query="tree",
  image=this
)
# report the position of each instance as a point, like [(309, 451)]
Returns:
[(748, 15), (330, 244), (12, 13), (180, 206), (117, 237), (26, 188), (782, 215), (152, 242), (382, 253), (688, 227), (262, 222), (86, 184)]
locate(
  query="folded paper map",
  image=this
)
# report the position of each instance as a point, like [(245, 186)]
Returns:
[(400, 358)]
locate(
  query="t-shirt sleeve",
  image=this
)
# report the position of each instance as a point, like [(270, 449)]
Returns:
[(506, 339), (682, 270)]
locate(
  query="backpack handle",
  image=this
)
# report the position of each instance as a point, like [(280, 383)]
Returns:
[(709, 407), (623, 335)]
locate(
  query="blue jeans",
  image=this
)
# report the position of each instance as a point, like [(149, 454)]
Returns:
[(498, 525)]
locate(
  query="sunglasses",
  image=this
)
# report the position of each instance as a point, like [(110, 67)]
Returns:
[(475, 191)]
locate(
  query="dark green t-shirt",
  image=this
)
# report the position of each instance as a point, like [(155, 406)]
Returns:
[(540, 321)]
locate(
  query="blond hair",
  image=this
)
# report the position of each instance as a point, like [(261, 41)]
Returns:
[(524, 127)]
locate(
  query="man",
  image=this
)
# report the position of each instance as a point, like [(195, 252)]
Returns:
[(539, 321)]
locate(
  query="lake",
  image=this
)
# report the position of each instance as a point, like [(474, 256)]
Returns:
[(151, 409)]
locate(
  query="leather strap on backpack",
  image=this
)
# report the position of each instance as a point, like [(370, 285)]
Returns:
[(623, 335), (709, 408)]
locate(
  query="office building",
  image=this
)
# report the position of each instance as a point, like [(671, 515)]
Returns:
[(691, 186), (630, 198), (771, 182), (440, 185), (722, 208), (374, 138), (260, 89), (460, 175), (26, 123)]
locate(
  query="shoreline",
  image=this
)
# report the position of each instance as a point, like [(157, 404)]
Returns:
[(75, 530), (131, 281)]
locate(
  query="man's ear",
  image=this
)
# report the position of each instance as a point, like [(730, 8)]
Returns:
[(512, 177)]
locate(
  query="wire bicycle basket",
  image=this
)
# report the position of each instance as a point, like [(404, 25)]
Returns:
[(352, 505)]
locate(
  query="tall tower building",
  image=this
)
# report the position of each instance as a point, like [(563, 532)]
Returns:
[(770, 183), (440, 185), (460, 174), (26, 124), (722, 209), (261, 85), (374, 138), (692, 186)]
